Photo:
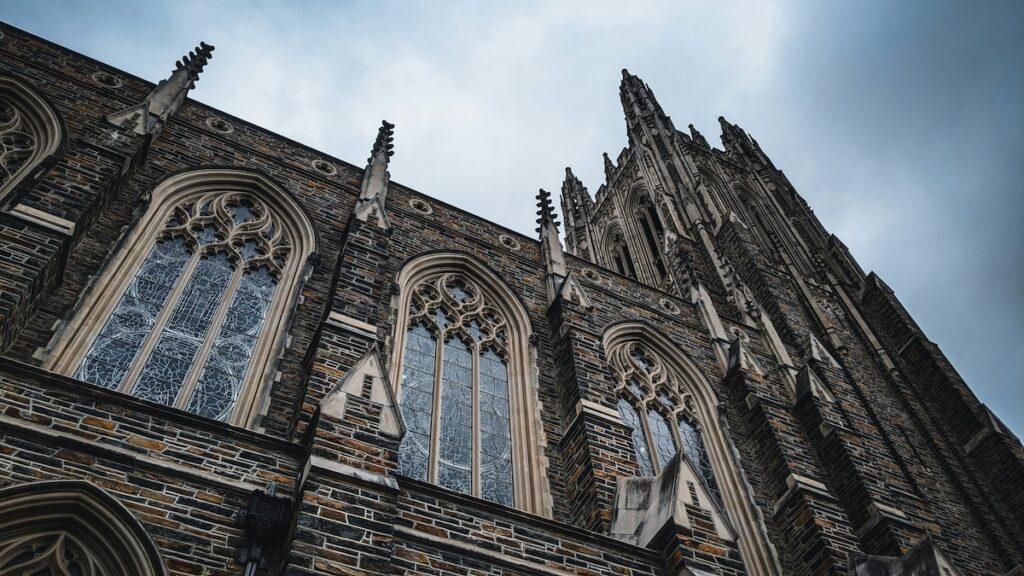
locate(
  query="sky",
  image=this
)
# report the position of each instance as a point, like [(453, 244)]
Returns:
[(901, 123)]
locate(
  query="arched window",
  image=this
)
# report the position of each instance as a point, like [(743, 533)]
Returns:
[(191, 313), (464, 390), (71, 527), (660, 413), (652, 230), (669, 405), (618, 253), (29, 132)]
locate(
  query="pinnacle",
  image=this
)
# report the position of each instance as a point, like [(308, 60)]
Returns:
[(194, 62), (385, 141), (545, 211)]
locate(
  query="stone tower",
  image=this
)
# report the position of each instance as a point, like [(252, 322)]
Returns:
[(224, 352)]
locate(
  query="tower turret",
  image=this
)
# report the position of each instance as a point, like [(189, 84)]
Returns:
[(577, 207)]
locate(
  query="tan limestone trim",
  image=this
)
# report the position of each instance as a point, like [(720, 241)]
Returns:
[(479, 552), (44, 219), (38, 119), (321, 464), (343, 320)]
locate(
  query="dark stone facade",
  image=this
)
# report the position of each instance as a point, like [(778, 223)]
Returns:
[(854, 436)]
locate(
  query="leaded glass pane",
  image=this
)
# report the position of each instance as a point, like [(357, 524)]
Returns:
[(417, 402), (119, 341), (693, 447), (632, 419), (456, 431), (664, 443), (167, 366), (217, 388), (495, 435)]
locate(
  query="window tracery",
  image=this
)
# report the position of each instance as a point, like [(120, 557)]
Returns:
[(50, 554), (192, 310), (71, 528), (29, 132), (454, 390), (659, 412), (186, 327)]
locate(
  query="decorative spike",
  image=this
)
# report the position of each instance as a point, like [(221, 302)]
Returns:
[(609, 168), (150, 115), (376, 178), (545, 211), (385, 142), (194, 62)]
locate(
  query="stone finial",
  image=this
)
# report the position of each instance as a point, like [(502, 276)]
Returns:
[(150, 115), (194, 62), (545, 212), (376, 178), (699, 138), (609, 168), (551, 246), (384, 147)]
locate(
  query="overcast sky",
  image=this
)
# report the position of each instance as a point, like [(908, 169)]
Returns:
[(900, 122)]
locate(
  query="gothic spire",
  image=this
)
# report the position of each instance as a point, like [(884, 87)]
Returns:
[(740, 145), (576, 200), (376, 176), (149, 116)]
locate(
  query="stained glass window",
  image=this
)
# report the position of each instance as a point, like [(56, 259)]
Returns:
[(186, 328), (662, 422), (693, 448), (632, 419), (458, 432), (664, 442)]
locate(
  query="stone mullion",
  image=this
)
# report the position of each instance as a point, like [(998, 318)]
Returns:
[(131, 377), (212, 332)]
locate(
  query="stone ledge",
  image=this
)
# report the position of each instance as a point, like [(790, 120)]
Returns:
[(137, 460), (526, 519), (83, 390)]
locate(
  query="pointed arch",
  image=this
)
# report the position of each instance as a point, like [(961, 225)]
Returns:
[(640, 201), (616, 250), (193, 309), (48, 524), (31, 132), (672, 370), (455, 316)]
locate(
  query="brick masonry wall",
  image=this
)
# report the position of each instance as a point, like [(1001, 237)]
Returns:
[(887, 441)]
